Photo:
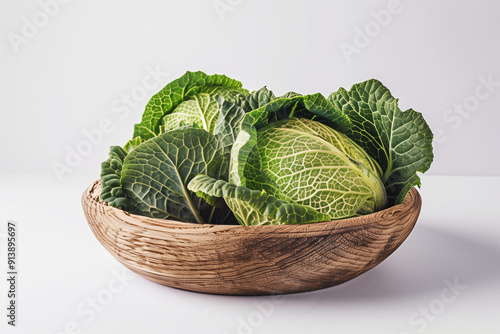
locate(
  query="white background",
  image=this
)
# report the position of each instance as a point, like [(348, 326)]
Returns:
[(64, 75), (68, 76)]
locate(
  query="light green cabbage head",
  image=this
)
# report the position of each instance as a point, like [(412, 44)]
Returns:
[(309, 163)]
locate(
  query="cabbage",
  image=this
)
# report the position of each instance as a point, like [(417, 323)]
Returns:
[(207, 151), (309, 163)]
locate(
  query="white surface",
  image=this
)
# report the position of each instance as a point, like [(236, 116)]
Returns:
[(62, 266), (75, 69)]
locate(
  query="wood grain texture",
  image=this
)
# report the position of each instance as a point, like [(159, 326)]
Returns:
[(249, 260)]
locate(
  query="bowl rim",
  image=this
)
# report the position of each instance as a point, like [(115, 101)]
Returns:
[(411, 200)]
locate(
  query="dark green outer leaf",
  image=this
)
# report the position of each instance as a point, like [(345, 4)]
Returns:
[(400, 141), (156, 173), (295, 105), (201, 109), (111, 169), (255, 99)]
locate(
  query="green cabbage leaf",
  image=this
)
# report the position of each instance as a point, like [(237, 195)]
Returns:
[(155, 175), (401, 141)]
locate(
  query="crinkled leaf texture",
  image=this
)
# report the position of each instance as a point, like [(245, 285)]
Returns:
[(132, 143), (188, 99), (254, 100), (156, 173), (400, 141), (313, 106), (111, 169), (254, 207), (309, 163), (228, 122)]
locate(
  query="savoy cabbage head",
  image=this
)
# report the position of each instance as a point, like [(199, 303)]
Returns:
[(208, 151)]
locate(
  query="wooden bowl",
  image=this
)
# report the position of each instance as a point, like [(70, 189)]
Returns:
[(249, 260)]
